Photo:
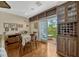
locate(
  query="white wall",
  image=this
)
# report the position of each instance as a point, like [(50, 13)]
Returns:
[(10, 18), (33, 29)]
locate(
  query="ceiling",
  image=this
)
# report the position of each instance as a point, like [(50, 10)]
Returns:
[(30, 8)]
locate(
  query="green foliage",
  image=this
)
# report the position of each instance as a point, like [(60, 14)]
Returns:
[(52, 30)]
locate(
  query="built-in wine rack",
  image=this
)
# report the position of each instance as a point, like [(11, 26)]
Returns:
[(67, 29), (67, 16)]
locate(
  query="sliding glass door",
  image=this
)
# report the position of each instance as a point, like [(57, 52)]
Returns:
[(43, 31)]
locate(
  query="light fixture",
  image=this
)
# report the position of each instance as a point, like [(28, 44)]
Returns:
[(38, 3)]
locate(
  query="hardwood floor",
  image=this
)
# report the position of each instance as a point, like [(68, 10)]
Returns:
[(43, 50), (51, 50)]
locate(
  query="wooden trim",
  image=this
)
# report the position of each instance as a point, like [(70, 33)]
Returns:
[(44, 14), (4, 4)]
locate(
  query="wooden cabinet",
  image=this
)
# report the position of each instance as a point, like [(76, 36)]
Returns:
[(13, 45), (68, 32), (67, 46), (71, 45), (61, 45)]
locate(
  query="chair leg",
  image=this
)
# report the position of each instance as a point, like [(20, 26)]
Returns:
[(36, 44)]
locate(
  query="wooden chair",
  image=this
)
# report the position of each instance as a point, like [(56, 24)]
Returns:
[(33, 40)]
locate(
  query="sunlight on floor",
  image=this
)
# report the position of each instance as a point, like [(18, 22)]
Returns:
[(51, 49)]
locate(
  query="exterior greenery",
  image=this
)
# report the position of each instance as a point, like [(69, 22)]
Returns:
[(52, 28)]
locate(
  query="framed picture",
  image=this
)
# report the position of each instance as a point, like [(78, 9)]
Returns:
[(35, 25), (12, 26), (12, 29), (6, 29), (6, 25)]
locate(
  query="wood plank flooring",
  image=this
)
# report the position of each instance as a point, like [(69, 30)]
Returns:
[(51, 49), (43, 50)]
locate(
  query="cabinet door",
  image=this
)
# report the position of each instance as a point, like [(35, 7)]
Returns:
[(71, 12), (61, 45), (71, 47), (74, 46), (61, 14), (67, 46)]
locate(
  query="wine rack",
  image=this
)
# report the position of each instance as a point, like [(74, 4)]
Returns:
[(67, 29), (67, 40)]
